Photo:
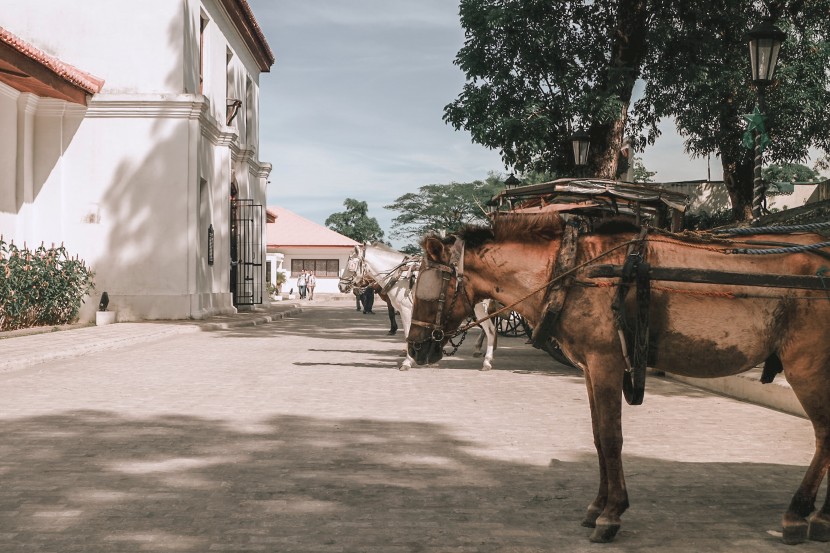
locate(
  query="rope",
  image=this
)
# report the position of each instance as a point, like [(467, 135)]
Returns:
[(789, 249), (689, 245), (774, 230), (544, 286)]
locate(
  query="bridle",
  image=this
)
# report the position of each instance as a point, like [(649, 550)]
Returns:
[(355, 274), (446, 295)]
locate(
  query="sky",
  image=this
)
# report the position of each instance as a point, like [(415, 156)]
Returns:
[(353, 106)]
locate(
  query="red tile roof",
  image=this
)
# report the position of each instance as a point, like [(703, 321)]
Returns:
[(29, 69), (292, 230)]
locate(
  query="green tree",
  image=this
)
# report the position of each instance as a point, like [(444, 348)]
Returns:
[(698, 73), (355, 222), (790, 172), (640, 173), (537, 70), (442, 207)]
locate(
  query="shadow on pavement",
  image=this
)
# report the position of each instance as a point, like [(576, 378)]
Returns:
[(341, 323), (96, 481)]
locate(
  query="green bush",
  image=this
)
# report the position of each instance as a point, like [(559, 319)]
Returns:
[(43, 287)]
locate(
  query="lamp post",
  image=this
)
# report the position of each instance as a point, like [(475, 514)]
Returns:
[(765, 41), (512, 182), (581, 143)]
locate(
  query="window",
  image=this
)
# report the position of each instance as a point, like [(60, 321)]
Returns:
[(202, 26), (320, 267)]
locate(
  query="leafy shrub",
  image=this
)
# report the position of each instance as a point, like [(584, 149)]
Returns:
[(705, 220), (41, 287)]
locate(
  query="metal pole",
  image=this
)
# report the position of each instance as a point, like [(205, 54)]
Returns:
[(758, 188)]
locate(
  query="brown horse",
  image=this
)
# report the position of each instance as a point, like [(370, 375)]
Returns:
[(695, 329)]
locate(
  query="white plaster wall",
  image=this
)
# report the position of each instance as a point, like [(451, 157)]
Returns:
[(134, 46), (119, 182)]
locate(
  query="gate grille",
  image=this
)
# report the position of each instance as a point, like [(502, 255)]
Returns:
[(246, 252)]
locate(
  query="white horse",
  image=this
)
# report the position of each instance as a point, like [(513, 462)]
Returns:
[(395, 274)]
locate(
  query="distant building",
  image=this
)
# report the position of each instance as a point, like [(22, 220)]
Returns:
[(296, 244), (142, 155)]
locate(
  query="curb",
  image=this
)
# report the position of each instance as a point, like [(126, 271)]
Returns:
[(141, 332), (255, 321), (747, 387)]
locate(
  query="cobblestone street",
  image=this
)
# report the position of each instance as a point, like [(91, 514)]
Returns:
[(301, 435)]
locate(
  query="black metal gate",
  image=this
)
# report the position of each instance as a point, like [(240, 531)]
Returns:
[(246, 252)]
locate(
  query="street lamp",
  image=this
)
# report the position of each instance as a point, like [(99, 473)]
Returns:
[(765, 41), (512, 182), (581, 143)]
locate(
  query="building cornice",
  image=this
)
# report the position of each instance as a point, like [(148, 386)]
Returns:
[(169, 106), (242, 18)]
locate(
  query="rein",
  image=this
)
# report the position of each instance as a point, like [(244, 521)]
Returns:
[(549, 283)]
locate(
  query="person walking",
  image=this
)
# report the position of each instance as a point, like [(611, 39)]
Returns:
[(301, 284), (310, 283)]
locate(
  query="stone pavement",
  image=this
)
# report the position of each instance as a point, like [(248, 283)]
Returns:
[(33, 346), (301, 435)]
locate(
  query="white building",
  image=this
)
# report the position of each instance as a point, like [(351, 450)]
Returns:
[(296, 244), (141, 168)]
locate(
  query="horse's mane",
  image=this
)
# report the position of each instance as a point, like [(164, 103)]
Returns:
[(537, 227)]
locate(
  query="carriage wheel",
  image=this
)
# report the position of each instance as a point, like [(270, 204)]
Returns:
[(510, 325)]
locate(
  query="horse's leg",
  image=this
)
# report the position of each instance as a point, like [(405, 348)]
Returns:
[(404, 306), (479, 344), (598, 505), (393, 324), (605, 387), (809, 377), (488, 332)]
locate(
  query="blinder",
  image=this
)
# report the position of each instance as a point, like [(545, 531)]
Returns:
[(433, 286)]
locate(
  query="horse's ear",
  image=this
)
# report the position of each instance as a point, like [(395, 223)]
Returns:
[(433, 247)]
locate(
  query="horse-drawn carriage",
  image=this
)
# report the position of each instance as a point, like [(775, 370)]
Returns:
[(701, 305), (593, 201)]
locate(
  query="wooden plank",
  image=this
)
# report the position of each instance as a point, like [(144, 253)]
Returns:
[(707, 276)]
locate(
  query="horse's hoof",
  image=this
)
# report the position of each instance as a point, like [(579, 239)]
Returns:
[(404, 368), (591, 516), (476, 354), (819, 529), (604, 533), (795, 533)]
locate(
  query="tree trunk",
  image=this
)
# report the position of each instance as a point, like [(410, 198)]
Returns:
[(628, 47), (738, 176)]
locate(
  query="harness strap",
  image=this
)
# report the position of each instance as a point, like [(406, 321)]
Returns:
[(635, 270), (557, 288)]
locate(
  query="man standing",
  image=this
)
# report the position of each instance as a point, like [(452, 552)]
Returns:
[(368, 300), (301, 284)]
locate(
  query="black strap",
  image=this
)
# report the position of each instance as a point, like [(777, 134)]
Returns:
[(555, 294), (634, 341)]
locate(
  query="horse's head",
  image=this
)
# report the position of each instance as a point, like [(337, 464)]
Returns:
[(440, 303), (354, 270)]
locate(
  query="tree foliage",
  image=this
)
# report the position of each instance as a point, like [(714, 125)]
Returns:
[(640, 173), (355, 222), (442, 207), (791, 172), (537, 70), (698, 73)]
